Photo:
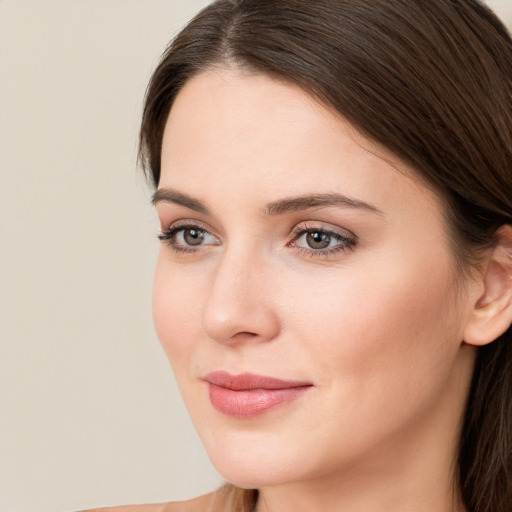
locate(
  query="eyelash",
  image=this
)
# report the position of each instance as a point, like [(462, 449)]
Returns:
[(346, 242), (170, 234)]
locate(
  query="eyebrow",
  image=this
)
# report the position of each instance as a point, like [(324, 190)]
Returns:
[(278, 207), (168, 195), (308, 202)]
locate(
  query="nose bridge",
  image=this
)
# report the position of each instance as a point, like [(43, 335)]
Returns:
[(239, 305)]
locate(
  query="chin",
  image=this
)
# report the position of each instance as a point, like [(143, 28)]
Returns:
[(253, 460), (255, 474)]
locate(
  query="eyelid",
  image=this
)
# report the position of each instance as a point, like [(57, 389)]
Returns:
[(323, 227), (347, 240), (168, 234), (188, 223)]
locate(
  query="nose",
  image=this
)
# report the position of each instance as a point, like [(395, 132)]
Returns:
[(240, 306)]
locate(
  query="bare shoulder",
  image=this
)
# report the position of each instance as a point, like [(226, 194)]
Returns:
[(160, 507), (200, 504)]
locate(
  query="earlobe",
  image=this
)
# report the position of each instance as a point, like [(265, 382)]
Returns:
[(491, 315)]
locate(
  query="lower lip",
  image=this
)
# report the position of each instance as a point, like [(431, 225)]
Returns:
[(251, 402)]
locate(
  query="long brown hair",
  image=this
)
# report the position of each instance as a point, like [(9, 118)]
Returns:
[(431, 80)]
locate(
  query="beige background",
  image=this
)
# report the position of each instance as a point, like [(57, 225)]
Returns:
[(89, 412)]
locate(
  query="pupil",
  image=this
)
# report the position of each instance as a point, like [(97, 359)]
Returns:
[(318, 240), (193, 236)]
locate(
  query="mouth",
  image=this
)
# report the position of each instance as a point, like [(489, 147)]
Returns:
[(246, 395)]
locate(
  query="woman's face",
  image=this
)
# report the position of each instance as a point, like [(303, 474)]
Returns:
[(294, 250)]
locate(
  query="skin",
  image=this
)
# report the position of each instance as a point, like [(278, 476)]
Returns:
[(200, 504), (377, 327)]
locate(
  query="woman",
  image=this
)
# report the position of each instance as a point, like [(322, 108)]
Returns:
[(334, 286)]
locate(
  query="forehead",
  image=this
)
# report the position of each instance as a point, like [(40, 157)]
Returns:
[(258, 134), (243, 107)]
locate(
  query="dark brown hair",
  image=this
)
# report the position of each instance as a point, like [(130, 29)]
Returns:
[(431, 80)]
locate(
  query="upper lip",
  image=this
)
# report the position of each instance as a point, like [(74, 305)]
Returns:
[(247, 381)]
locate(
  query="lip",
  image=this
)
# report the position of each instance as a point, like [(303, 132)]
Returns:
[(247, 395)]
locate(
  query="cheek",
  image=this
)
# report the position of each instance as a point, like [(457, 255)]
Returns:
[(177, 305), (382, 331)]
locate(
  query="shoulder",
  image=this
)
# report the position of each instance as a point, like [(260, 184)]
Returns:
[(201, 504)]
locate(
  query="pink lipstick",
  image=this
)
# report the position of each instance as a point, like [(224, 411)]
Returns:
[(247, 395)]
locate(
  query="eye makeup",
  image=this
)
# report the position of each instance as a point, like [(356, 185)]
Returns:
[(311, 239)]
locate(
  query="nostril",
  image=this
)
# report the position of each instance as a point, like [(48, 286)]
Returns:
[(245, 334), (232, 315), (243, 337)]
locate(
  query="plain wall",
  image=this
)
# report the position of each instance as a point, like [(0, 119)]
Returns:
[(89, 411)]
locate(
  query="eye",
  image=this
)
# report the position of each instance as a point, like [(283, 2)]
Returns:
[(318, 241), (191, 236), (187, 237)]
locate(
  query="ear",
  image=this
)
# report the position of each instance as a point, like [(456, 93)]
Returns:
[(491, 315)]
